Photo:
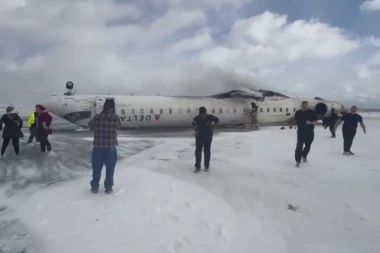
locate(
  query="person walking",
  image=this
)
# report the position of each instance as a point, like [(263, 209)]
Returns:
[(105, 126), (331, 121), (32, 125), (203, 125), (350, 125), (12, 130), (44, 128), (306, 120)]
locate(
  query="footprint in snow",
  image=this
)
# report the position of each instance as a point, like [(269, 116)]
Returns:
[(181, 244)]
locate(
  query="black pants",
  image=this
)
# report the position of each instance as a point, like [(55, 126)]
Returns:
[(303, 138), (348, 138), (332, 128), (44, 143), (15, 142), (202, 142), (33, 134)]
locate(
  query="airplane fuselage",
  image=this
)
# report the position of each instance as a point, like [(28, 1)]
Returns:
[(161, 111)]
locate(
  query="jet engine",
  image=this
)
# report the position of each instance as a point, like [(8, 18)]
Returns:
[(323, 107)]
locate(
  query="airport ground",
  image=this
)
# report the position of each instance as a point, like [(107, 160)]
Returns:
[(253, 198)]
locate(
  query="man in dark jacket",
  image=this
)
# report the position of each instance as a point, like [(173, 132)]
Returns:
[(44, 128), (350, 125), (203, 125), (306, 119), (12, 130), (105, 126)]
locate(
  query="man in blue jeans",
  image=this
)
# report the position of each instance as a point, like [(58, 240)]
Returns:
[(105, 126)]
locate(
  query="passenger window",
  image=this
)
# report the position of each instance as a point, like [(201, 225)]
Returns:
[(141, 111), (228, 109), (220, 110), (287, 109), (170, 111), (274, 109), (151, 111), (180, 110), (280, 109), (161, 111), (213, 110), (133, 111), (261, 109), (188, 110), (268, 109), (234, 110)]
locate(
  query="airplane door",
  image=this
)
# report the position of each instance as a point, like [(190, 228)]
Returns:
[(254, 107)]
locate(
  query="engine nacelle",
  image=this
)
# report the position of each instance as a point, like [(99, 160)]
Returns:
[(323, 108)]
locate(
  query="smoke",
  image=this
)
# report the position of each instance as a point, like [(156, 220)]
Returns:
[(189, 80), (212, 80)]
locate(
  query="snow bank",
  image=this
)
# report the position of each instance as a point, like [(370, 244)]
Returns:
[(150, 213)]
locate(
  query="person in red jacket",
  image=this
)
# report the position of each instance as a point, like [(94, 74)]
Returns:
[(44, 128)]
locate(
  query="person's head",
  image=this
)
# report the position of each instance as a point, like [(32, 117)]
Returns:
[(40, 109), (9, 109), (109, 105), (304, 105), (13, 114), (354, 109), (202, 111)]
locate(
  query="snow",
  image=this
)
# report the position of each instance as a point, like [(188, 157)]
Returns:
[(153, 213), (253, 200)]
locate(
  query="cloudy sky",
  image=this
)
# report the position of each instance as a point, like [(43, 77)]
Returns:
[(325, 48)]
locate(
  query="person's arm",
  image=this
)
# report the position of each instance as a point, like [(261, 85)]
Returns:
[(46, 124), (362, 125), (20, 122), (118, 122), (91, 123), (194, 125), (314, 119), (1, 123), (294, 120), (215, 120)]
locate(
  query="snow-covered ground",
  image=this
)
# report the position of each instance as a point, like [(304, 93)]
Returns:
[(253, 200)]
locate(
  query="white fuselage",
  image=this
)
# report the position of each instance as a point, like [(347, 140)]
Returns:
[(160, 111)]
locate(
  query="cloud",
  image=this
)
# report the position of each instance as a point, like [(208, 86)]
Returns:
[(370, 5), (271, 39), (175, 47)]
